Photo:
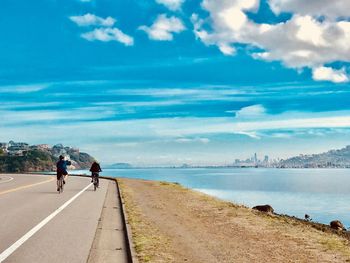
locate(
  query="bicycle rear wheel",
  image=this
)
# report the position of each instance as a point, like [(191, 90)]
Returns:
[(61, 185)]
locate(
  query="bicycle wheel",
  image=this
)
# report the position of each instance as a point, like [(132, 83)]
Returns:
[(95, 183), (61, 184)]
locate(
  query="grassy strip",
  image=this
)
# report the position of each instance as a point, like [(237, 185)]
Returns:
[(149, 243)]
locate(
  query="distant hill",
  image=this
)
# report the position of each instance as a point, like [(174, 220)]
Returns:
[(39, 160), (331, 159), (120, 166)]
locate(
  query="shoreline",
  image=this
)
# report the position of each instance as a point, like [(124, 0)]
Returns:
[(230, 167), (151, 205)]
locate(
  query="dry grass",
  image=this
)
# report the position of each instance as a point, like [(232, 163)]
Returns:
[(147, 240), (215, 225)]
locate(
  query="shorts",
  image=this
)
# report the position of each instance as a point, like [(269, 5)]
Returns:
[(60, 174)]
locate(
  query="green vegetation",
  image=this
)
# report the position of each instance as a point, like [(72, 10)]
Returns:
[(40, 160), (34, 160)]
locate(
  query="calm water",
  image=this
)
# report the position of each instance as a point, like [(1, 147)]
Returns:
[(322, 193)]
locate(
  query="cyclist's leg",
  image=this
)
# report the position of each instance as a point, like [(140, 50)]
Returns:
[(65, 178), (58, 176)]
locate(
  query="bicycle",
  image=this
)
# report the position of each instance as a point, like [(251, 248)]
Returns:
[(60, 184), (95, 181)]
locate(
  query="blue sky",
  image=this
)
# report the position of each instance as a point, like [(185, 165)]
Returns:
[(176, 81)]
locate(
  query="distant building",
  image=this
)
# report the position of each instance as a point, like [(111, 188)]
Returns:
[(43, 146), (17, 148), (266, 159), (21, 145)]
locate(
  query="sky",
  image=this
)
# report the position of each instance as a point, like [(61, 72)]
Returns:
[(167, 82)]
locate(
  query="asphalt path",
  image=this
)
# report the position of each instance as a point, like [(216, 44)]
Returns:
[(39, 225)]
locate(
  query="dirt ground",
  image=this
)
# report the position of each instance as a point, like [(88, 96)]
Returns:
[(173, 224)]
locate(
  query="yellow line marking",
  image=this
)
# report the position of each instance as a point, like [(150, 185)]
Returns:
[(26, 186)]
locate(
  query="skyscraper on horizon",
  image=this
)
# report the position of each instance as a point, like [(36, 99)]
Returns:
[(266, 159)]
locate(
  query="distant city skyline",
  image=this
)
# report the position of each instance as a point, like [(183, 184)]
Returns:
[(172, 82)]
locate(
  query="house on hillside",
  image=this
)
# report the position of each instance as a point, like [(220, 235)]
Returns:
[(17, 148), (41, 147)]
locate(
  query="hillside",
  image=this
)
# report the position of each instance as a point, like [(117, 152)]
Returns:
[(331, 159), (38, 160)]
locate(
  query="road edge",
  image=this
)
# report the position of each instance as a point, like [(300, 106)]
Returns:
[(131, 253), (128, 234)]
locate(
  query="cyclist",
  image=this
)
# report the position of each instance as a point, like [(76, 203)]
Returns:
[(62, 169), (95, 170)]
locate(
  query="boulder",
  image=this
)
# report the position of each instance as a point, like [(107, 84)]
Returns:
[(337, 225), (307, 217), (264, 208)]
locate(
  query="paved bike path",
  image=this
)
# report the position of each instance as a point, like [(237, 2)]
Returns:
[(68, 237)]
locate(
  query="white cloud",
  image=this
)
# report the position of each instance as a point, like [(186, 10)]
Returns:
[(186, 127), (250, 134), (109, 34), (329, 74), (302, 41), (92, 20), (171, 4), (254, 111), (227, 49), (13, 117), (190, 140), (142, 131), (23, 88), (163, 28), (330, 9)]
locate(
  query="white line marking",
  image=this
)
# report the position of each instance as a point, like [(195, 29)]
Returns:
[(9, 179), (5, 254)]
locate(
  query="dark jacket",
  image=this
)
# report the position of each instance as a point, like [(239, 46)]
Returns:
[(95, 168), (62, 166)]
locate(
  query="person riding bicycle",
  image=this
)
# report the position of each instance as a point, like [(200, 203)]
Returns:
[(62, 169), (95, 170)]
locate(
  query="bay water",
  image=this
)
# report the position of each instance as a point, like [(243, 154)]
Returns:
[(324, 194)]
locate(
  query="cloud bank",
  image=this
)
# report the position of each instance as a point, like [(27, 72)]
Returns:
[(331, 9), (303, 41)]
